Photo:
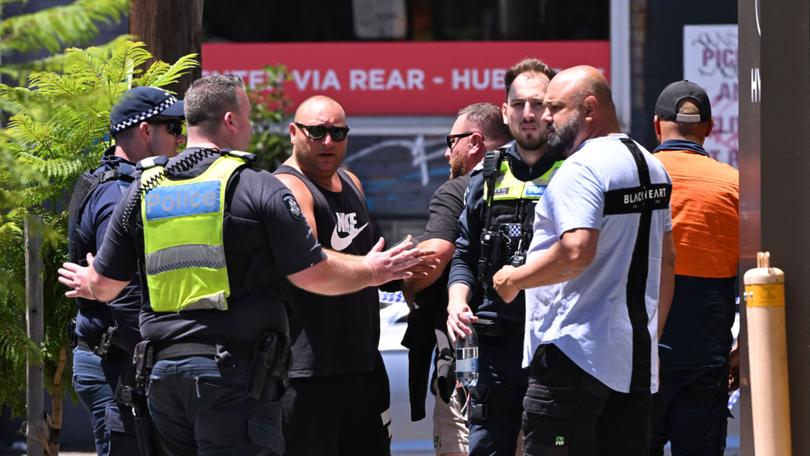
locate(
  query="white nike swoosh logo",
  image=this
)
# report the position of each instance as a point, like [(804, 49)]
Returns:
[(340, 243)]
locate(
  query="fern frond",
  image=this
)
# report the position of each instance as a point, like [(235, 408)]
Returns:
[(161, 74), (125, 62), (15, 344), (30, 134), (56, 62), (59, 26), (63, 169), (12, 99)]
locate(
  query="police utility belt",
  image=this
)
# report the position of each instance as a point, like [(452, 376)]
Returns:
[(268, 360)]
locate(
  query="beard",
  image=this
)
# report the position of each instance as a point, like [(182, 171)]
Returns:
[(457, 167), (561, 139), (535, 142)]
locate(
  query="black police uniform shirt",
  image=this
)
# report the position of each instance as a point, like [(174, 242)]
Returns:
[(464, 266), (94, 317), (336, 334), (266, 238)]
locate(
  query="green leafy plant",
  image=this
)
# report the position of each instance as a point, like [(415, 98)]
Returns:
[(270, 140), (53, 29), (57, 128)]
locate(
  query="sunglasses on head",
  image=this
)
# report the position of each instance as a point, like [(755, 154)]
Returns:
[(451, 140), (318, 132), (173, 126)]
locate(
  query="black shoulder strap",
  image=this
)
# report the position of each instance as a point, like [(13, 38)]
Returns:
[(115, 174), (81, 191), (646, 197), (348, 179), (320, 203), (643, 200), (641, 163), (85, 185)]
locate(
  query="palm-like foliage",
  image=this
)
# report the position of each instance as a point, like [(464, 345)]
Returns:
[(56, 27), (57, 128)]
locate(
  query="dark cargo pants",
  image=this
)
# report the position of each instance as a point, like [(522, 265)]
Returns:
[(690, 410), (200, 408), (569, 412)]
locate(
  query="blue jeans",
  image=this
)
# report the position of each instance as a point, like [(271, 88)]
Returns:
[(95, 380), (501, 386), (200, 408)]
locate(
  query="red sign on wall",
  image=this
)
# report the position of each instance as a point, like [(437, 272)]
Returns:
[(408, 78)]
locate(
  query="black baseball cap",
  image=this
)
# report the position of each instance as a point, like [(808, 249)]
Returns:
[(141, 104), (669, 102)]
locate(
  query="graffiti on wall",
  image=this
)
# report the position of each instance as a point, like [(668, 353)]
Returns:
[(710, 59), (399, 173)]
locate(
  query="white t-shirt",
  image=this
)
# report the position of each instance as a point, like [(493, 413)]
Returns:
[(588, 317)]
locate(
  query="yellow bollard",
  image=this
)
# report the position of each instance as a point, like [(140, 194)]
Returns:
[(767, 354)]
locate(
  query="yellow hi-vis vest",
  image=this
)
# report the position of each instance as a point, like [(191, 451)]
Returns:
[(510, 188), (182, 233)]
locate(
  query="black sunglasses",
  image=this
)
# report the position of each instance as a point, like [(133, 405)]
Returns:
[(453, 139), (318, 132), (173, 126)]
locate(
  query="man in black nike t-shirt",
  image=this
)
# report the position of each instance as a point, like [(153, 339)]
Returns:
[(338, 398)]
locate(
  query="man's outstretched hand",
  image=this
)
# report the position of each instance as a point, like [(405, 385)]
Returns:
[(398, 262), (75, 277)]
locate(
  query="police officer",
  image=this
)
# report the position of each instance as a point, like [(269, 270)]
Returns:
[(600, 273), (479, 128), (146, 122), (495, 229), (216, 242)]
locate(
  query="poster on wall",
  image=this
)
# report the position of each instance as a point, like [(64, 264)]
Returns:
[(710, 59)]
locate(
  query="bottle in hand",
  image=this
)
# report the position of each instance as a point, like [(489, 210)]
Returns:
[(467, 359)]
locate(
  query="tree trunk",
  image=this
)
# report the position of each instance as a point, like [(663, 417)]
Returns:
[(170, 29), (34, 403), (57, 395)]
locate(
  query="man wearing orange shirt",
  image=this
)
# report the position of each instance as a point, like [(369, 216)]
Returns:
[(689, 409)]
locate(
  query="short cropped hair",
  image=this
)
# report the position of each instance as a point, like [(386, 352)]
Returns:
[(210, 97), (489, 119), (528, 65), (690, 129)]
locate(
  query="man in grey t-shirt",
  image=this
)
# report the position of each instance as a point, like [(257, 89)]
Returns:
[(599, 276)]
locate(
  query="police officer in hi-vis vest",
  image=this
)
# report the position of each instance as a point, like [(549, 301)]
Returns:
[(145, 122), (216, 242), (495, 229)]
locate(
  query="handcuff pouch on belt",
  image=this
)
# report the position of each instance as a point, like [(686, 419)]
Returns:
[(270, 361), (105, 342), (100, 346)]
